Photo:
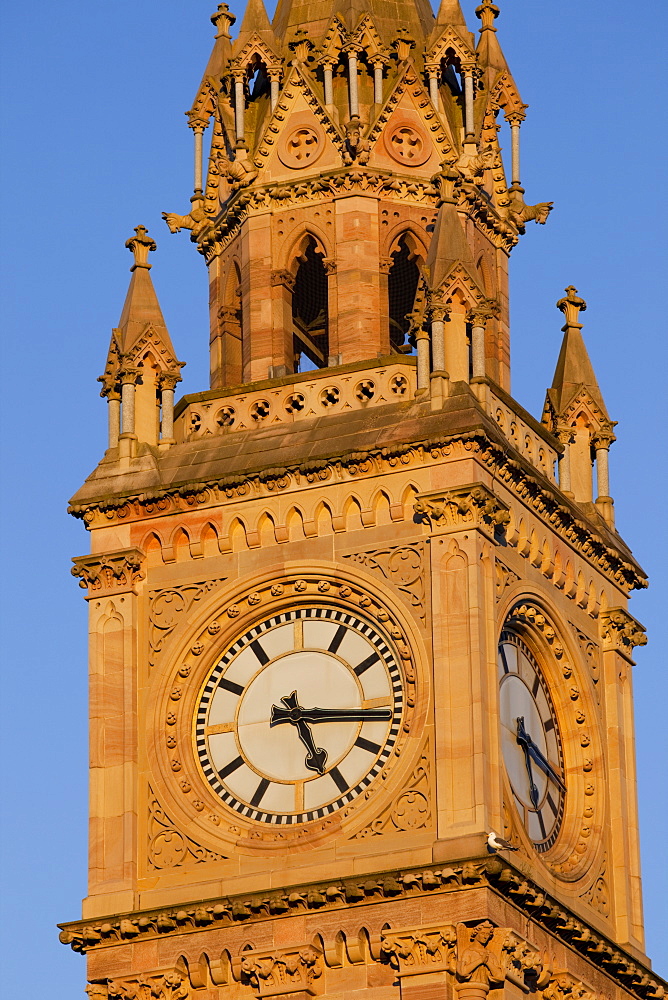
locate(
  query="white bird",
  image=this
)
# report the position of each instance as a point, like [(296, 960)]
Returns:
[(497, 843)]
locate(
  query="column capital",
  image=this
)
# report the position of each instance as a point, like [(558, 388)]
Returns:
[(168, 380), (516, 117), (571, 306), (238, 73), (481, 314), (283, 277), (129, 376), (604, 436), (111, 573), (140, 245), (197, 122)]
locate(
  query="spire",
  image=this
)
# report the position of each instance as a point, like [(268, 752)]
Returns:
[(415, 16), (256, 21), (141, 308), (222, 20), (574, 369), (450, 12), (449, 245), (490, 56)]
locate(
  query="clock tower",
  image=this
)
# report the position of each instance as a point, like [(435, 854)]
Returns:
[(360, 653)]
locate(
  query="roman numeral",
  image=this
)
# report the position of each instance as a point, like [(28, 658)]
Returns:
[(536, 685), (232, 766), (547, 726), (367, 745), (259, 792), (338, 639), (259, 652), (503, 657), (365, 664), (551, 803), (339, 780), (230, 686), (541, 824)]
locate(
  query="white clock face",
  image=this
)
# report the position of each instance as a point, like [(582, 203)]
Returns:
[(299, 716), (531, 743)]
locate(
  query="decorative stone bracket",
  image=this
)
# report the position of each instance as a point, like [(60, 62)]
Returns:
[(167, 986), (479, 957), (620, 631), (282, 974), (111, 573), (473, 506)]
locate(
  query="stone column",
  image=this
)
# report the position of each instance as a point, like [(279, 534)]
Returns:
[(167, 385), (274, 74), (479, 317), (327, 74), (439, 312), (198, 126), (239, 104), (433, 71), (378, 81), (114, 402), (352, 84), (422, 338), (564, 436), (601, 442), (469, 127), (128, 403), (515, 120)]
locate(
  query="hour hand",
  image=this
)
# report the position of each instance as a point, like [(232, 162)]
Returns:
[(316, 757)]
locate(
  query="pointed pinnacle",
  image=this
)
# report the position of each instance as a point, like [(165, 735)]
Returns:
[(223, 19), (140, 246)]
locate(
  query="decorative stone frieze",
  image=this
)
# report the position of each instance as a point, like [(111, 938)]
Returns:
[(111, 573), (621, 631), (168, 986), (466, 506), (283, 973)]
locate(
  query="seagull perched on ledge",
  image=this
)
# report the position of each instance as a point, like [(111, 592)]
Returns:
[(496, 843)]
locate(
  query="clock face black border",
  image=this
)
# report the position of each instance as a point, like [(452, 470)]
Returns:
[(553, 802), (330, 614)]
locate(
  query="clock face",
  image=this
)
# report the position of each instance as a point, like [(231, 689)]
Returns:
[(531, 743), (299, 716)]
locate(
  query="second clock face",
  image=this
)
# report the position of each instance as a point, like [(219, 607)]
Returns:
[(299, 716), (530, 742)]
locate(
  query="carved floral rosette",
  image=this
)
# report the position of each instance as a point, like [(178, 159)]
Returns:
[(196, 812), (577, 853)]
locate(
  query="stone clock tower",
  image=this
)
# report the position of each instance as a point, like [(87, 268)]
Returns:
[(352, 607)]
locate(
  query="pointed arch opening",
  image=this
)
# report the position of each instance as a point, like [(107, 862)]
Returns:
[(310, 310), (402, 283)]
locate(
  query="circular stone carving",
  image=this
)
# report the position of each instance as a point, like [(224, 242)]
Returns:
[(301, 147), (407, 144)]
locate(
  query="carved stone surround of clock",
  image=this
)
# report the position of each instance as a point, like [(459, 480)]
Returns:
[(292, 701)]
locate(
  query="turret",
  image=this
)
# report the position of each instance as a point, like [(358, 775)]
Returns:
[(576, 413), (321, 214), (141, 370)]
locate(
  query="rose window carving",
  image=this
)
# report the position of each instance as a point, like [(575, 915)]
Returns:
[(407, 145), (301, 147)]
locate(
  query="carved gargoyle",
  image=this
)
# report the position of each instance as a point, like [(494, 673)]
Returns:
[(520, 213), (241, 171), (194, 220), (357, 149), (473, 165)]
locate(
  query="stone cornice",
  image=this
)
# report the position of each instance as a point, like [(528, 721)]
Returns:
[(465, 506), (347, 894), (539, 494)]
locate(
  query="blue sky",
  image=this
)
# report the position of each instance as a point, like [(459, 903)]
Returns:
[(96, 143)]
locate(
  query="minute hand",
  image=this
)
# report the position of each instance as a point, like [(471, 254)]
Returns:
[(536, 754), (280, 715)]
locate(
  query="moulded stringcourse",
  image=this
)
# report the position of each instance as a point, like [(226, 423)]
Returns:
[(513, 473), (501, 876)]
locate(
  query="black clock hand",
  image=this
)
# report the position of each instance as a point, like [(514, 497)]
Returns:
[(522, 739), (536, 753), (297, 714), (316, 757)]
